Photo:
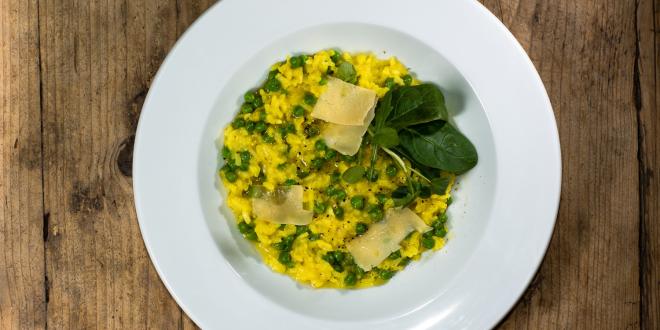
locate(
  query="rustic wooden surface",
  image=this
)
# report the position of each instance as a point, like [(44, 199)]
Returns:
[(73, 75)]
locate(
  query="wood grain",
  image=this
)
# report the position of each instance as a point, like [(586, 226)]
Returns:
[(22, 290), (585, 53), (98, 58), (646, 102)]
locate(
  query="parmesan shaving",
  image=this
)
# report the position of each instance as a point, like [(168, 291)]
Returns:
[(346, 139), (283, 206), (384, 237), (344, 104)]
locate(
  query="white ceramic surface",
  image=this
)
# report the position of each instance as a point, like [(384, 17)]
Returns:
[(504, 209)]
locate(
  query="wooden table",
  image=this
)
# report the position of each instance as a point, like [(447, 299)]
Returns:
[(74, 74)]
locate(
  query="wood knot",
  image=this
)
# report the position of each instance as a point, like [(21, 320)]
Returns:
[(125, 156)]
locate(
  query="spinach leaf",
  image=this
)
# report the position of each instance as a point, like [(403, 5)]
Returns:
[(404, 195), (439, 185), (439, 145), (434, 100), (346, 72), (383, 110), (386, 137), (419, 104)]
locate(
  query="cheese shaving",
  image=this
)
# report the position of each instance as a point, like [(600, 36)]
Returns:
[(384, 237), (283, 206), (344, 104), (346, 139)]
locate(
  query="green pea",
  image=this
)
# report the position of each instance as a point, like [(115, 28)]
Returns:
[(290, 182), (320, 145), (350, 279), (309, 99), (272, 85), (282, 131), (376, 213), (290, 128), (443, 218), (353, 174), (338, 211), (338, 268), (258, 101), (312, 131), (296, 62), (252, 236), (243, 227), (249, 96), (329, 258), (231, 176), (440, 232), (301, 229), (336, 56), (229, 166), (330, 191), (340, 194), (348, 159), (361, 228), (382, 198), (317, 163), (323, 81), (338, 256), (286, 244), (298, 111), (391, 170), (226, 153), (449, 201), (395, 255), (260, 127), (245, 156), (427, 241), (319, 208), (302, 173), (386, 274), (335, 177), (389, 83), (407, 79), (313, 236), (269, 139), (244, 167), (247, 108), (249, 126), (272, 74), (405, 261), (330, 154), (357, 202), (285, 259), (238, 123)]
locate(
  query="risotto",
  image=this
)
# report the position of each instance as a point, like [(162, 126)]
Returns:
[(341, 200)]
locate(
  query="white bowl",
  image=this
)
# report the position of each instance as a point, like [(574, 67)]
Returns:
[(504, 209)]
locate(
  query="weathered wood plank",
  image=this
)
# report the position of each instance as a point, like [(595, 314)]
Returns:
[(98, 58), (646, 94), (22, 290), (585, 53)]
